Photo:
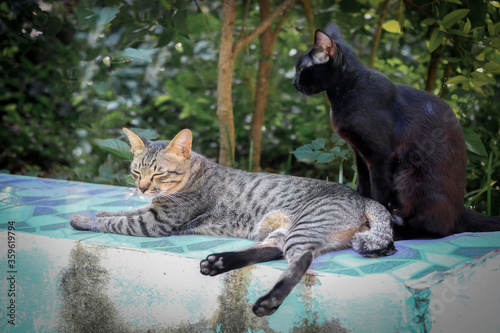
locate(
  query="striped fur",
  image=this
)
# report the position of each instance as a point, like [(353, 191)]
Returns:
[(291, 217)]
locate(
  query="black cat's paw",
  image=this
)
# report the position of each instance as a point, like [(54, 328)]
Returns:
[(82, 222), (397, 220), (266, 305), (213, 265)]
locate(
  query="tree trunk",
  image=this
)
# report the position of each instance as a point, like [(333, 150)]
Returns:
[(432, 70), (224, 83), (267, 39), (228, 52)]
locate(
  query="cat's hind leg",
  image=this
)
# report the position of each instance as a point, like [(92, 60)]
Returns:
[(298, 264), (270, 249), (378, 240)]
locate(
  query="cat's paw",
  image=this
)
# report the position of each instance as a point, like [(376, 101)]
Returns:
[(397, 220), (213, 265), (82, 222), (370, 246), (266, 305)]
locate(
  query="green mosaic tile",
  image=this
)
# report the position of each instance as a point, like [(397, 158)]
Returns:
[(208, 245), (18, 213), (436, 246), (351, 259), (384, 267), (406, 272), (43, 220), (444, 260), (44, 207), (490, 239), (163, 242)]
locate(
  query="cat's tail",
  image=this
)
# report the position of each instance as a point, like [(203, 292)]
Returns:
[(471, 221)]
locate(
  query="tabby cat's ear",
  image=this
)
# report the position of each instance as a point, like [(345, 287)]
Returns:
[(138, 144), (324, 43), (181, 144)]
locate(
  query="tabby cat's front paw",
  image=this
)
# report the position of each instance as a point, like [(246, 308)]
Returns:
[(82, 222)]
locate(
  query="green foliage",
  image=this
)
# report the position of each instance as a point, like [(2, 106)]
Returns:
[(75, 73)]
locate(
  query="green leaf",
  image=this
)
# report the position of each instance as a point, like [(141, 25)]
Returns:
[(318, 143), (481, 79), (436, 40), (147, 134), (458, 79), (491, 29), (492, 67), (392, 26), (467, 27), (326, 158), (429, 21), (458, 2), (161, 99), (106, 15), (450, 19), (135, 55), (303, 152), (473, 142), (115, 146)]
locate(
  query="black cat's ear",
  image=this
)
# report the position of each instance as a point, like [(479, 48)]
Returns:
[(323, 42), (137, 142), (181, 144), (334, 32)]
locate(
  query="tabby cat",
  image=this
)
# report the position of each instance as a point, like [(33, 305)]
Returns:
[(409, 147), (292, 217)]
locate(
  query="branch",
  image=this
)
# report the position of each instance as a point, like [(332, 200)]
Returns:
[(247, 9), (378, 34), (280, 23), (245, 40)]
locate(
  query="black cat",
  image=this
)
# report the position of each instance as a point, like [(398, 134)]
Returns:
[(410, 150)]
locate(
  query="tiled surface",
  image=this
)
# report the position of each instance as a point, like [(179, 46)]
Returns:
[(68, 282), (43, 207)]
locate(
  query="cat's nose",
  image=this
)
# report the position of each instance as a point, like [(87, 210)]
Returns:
[(143, 189)]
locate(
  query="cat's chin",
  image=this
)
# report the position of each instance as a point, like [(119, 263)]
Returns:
[(306, 90)]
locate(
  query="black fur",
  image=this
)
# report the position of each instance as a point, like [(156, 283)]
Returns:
[(409, 146)]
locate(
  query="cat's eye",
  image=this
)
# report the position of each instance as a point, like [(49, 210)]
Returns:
[(155, 175), (135, 173)]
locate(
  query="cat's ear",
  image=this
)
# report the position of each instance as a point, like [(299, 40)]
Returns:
[(138, 143), (323, 42), (181, 144), (334, 32)]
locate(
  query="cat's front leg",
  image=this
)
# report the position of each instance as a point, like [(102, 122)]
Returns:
[(132, 212), (144, 224)]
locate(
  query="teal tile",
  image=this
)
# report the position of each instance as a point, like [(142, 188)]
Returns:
[(349, 259), (18, 213), (39, 192), (490, 239), (42, 220), (440, 246), (406, 272), (444, 260), (380, 267)]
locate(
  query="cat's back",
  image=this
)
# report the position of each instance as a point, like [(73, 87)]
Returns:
[(260, 193)]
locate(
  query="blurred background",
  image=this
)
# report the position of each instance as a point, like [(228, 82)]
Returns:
[(74, 72)]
